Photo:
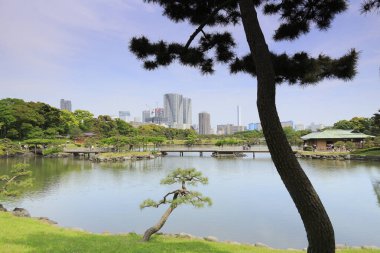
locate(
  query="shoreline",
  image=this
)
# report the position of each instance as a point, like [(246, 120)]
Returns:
[(121, 157), (23, 213)]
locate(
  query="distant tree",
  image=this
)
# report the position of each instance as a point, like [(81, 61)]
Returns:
[(343, 124), (85, 119), (124, 128), (157, 141), (19, 178), (68, 121), (178, 197), (270, 68), (105, 126), (375, 127)]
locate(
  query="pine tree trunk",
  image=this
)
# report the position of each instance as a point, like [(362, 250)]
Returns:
[(320, 233), (152, 230)]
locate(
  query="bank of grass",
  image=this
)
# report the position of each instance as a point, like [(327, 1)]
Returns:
[(367, 152), (321, 153), (29, 235)]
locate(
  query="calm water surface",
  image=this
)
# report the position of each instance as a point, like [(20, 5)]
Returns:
[(250, 203)]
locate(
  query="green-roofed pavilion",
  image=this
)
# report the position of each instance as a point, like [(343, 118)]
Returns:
[(323, 140)]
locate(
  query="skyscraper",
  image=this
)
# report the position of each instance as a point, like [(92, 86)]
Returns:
[(146, 116), (173, 109), (124, 115), (187, 112), (238, 116), (204, 123), (65, 105)]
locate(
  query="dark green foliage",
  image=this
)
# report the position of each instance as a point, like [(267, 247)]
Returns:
[(296, 19), (301, 68), (370, 5), (9, 148), (298, 16), (183, 195), (375, 127), (359, 124)]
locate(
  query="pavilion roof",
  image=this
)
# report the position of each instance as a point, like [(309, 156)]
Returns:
[(336, 134)]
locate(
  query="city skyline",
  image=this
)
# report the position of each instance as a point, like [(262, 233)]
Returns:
[(61, 51), (157, 116)]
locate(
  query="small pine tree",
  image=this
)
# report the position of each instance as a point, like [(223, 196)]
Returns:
[(179, 197)]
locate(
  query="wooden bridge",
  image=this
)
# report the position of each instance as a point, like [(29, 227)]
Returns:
[(217, 151)]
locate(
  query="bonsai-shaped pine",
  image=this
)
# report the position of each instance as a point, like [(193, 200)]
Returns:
[(178, 197), (19, 178)]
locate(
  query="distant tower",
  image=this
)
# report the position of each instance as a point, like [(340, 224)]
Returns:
[(146, 116), (124, 115), (204, 123), (173, 109), (238, 116), (187, 112), (65, 105)]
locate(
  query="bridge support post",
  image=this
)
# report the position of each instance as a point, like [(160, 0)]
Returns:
[(253, 154), (200, 153)]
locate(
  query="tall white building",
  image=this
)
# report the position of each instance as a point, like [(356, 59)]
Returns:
[(238, 116), (177, 111), (173, 109), (187, 112), (204, 123), (65, 105), (145, 116)]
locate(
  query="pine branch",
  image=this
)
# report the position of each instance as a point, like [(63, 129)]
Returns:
[(201, 26)]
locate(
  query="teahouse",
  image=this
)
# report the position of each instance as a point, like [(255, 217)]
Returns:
[(323, 140)]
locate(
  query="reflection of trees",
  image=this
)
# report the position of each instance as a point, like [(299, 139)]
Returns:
[(376, 188), (45, 172)]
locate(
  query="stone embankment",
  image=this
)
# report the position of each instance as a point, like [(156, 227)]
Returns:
[(22, 212), (122, 158), (58, 155), (332, 156)]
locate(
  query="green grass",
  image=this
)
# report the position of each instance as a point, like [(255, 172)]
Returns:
[(29, 235), (367, 152), (320, 153)]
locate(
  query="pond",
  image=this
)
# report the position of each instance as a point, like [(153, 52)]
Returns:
[(250, 203)]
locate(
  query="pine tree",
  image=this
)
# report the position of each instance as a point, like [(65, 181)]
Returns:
[(179, 197), (270, 69)]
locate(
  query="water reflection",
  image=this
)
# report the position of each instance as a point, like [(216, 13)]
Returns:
[(248, 191), (376, 188)]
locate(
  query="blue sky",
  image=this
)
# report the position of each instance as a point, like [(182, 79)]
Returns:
[(78, 50)]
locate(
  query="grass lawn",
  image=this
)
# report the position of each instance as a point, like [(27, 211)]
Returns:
[(367, 152), (29, 235)]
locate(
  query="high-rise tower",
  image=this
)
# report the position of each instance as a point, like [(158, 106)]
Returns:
[(173, 109), (204, 123), (65, 105), (187, 112)]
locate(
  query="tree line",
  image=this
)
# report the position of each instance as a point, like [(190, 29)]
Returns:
[(20, 120)]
